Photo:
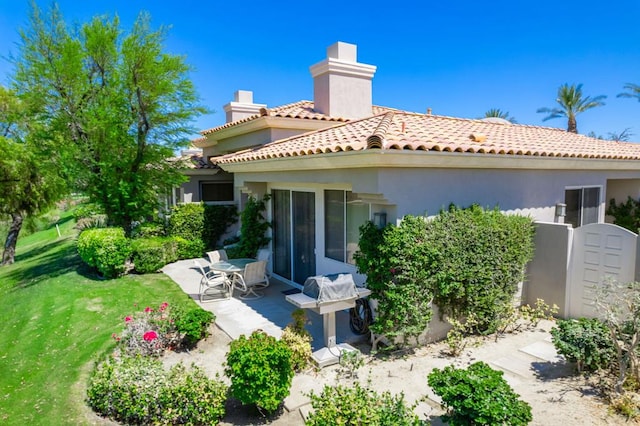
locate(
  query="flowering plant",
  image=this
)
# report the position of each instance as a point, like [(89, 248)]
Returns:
[(150, 332)]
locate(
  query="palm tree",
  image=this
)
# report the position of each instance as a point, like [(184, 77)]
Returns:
[(498, 113), (633, 91), (572, 102)]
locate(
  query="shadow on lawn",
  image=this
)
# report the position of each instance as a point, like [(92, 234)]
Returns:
[(58, 261)]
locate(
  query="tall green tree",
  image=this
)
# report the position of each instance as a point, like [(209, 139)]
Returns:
[(29, 182), (498, 113), (572, 102), (121, 103)]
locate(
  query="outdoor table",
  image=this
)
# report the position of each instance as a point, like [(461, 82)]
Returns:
[(230, 266)]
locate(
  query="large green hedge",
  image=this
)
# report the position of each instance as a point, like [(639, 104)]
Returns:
[(462, 260), (200, 224), (106, 249), (480, 259)]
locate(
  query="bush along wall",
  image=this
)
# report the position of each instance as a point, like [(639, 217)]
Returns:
[(463, 260)]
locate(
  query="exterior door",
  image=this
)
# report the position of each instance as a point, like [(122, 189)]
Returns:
[(304, 235), (600, 251), (294, 234)]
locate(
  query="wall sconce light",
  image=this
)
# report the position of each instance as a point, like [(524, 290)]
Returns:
[(380, 220), (561, 210)]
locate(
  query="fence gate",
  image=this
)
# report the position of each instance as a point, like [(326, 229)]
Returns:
[(599, 251)]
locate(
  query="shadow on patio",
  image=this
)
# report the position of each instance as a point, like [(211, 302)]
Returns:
[(270, 313)]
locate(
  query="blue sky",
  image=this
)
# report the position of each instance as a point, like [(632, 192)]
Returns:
[(459, 58)]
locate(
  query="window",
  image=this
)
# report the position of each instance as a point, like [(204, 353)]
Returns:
[(583, 206), (343, 216), (216, 191)]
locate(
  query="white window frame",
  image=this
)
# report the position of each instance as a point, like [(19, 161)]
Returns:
[(600, 198)]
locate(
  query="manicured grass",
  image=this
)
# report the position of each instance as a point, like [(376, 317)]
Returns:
[(57, 319)]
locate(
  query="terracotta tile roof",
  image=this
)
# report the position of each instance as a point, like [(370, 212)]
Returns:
[(398, 130), (301, 109)]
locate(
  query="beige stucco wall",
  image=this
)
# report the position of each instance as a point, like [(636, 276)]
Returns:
[(547, 272), (620, 189)]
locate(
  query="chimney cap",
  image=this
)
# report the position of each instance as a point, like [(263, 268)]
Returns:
[(343, 51)]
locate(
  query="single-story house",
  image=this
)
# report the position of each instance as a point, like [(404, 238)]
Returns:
[(332, 163)]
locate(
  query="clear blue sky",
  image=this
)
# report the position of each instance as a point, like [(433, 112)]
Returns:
[(460, 58)]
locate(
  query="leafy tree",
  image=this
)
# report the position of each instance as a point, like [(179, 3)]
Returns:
[(29, 183), (572, 102), (498, 113), (121, 103)]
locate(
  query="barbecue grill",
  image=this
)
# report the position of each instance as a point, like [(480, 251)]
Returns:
[(325, 295)]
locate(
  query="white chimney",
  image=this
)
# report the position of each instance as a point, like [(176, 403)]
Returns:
[(341, 85), (242, 106)]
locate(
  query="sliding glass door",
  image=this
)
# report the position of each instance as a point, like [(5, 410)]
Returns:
[(294, 238)]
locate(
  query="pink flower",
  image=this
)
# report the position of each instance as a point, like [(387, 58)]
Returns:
[(148, 309), (150, 336), (164, 306), (128, 319)]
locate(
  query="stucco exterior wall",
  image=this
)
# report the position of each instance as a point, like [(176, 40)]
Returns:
[(547, 272), (620, 189)]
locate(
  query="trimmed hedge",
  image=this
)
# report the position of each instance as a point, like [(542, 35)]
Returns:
[(137, 390), (106, 249), (151, 254)]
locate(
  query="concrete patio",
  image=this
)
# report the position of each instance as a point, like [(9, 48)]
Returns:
[(270, 313)]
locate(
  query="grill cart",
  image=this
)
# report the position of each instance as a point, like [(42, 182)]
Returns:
[(325, 295)]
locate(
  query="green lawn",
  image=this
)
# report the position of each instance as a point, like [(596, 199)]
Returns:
[(56, 319)]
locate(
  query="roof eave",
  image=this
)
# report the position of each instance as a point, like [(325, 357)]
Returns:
[(420, 159), (264, 122)]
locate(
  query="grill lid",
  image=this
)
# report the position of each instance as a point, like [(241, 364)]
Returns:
[(331, 288)]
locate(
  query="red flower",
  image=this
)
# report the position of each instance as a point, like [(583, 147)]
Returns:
[(150, 336), (164, 306), (148, 309), (127, 319)]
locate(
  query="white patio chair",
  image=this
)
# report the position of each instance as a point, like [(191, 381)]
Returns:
[(251, 278), (213, 283), (265, 254), (217, 255)]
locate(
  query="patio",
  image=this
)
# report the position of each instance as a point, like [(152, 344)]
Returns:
[(270, 313)]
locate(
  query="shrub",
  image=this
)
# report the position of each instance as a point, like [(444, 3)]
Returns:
[(300, 347), (105, 249), (137, 390), (151, 254), (585, 341), (87, 210), (480, 257), (187, 221), (253, 228), (625, 214), (217, 220), (192, 324), (478, 395), (149, 332), (260, 370), (355, 405), (397, 265), (188, 249), (97, 221), (149, 229)]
